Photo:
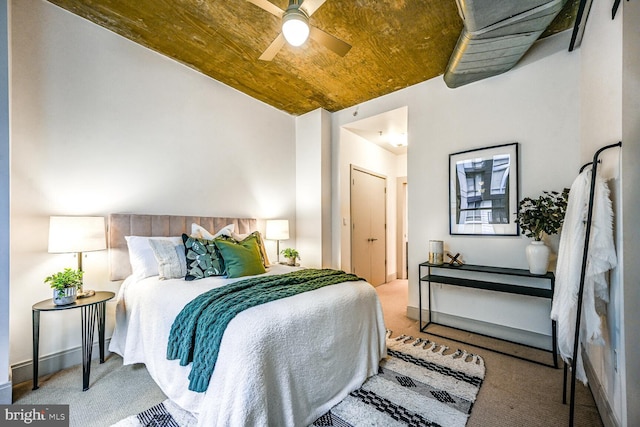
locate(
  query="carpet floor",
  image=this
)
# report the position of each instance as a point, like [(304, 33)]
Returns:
[(514, 392)]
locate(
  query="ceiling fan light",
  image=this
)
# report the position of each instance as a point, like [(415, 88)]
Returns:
[(295, 26)]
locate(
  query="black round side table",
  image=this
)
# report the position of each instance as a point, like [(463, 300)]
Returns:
[(91, 307)]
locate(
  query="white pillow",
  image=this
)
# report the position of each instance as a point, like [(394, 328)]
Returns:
[(172, 262), (143, 261), (200, 232), (239, 237)]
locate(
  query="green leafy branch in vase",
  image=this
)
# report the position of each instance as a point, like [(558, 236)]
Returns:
[(542, 215)]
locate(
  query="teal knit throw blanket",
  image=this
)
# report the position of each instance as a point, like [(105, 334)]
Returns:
[(197, 331)]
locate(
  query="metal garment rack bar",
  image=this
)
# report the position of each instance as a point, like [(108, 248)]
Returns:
[(585, 254)]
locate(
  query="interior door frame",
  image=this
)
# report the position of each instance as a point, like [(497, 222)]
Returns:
[(402, 225), (386, 237)]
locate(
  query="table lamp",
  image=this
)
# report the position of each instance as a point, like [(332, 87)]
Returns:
[(277, 229), (68, 234)]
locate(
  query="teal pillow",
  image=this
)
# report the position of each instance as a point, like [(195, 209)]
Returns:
[(241, 258), (203, 259)]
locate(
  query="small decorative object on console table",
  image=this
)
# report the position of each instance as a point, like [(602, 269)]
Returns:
[(436, 252), (291, 255), (537, 217), (77, 234), (455, 260)]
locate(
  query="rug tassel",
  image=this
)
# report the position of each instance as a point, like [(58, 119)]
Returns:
[(466, 357), (443, 349), (404, 338)]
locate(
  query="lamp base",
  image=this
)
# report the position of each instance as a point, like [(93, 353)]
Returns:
[(86, 294)]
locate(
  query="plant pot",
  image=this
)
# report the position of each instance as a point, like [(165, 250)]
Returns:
[(64, 297), (538, 257), (291, 262)]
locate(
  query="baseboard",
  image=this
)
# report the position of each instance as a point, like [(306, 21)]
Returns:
[(55, 362), (6, 393), (515, 335), (599, 394), (391, 277)]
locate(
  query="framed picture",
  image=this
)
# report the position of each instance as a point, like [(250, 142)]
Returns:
[(483, 191)]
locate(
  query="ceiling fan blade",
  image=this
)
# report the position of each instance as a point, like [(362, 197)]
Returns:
[(310, 6), (273, 48), (330, 42), (268, 6)]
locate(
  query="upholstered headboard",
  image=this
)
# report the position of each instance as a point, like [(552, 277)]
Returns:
[(121, 225)]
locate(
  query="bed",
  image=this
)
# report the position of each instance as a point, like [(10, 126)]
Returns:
[(282, 363)]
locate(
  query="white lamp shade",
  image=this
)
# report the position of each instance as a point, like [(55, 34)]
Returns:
[(76, 234), (295, 27), (277, 229)]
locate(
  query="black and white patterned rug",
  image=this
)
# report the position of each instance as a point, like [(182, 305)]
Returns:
[(416, 385)]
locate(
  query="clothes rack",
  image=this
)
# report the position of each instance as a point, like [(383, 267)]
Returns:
[(583, 270)]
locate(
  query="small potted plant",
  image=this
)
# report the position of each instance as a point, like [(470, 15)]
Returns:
[(64, 284), (291, 255), (537, 217)]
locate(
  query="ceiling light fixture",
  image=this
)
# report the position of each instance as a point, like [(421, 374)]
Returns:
[(295, 24), (398, 139)]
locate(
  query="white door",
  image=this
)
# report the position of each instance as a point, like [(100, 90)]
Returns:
[(368, 226)]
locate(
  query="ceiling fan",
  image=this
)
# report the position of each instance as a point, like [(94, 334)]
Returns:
[(296, 28)]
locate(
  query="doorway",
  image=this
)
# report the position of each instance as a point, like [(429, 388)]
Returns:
[(368, 226)]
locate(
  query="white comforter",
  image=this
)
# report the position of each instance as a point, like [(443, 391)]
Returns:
[(283, 363)]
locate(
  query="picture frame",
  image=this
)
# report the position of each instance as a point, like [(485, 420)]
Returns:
[(483, 191)]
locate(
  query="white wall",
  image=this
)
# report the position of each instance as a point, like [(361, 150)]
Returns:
[(401, 165), (5, 383), (357, 151), (630, 209), (101, 125), (601, 124), (535, 104), (313, 188)]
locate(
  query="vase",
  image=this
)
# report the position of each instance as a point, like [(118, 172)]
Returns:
[(537, 257), (65, 296)]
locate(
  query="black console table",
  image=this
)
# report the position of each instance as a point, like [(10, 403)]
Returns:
[(437, 273)]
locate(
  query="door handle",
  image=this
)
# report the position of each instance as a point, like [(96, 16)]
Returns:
[(371, 240)]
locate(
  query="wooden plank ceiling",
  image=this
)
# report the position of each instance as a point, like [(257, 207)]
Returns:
[(395, 44)]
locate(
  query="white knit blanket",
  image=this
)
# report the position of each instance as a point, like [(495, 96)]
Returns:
[(283, 363), (601, 258)]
